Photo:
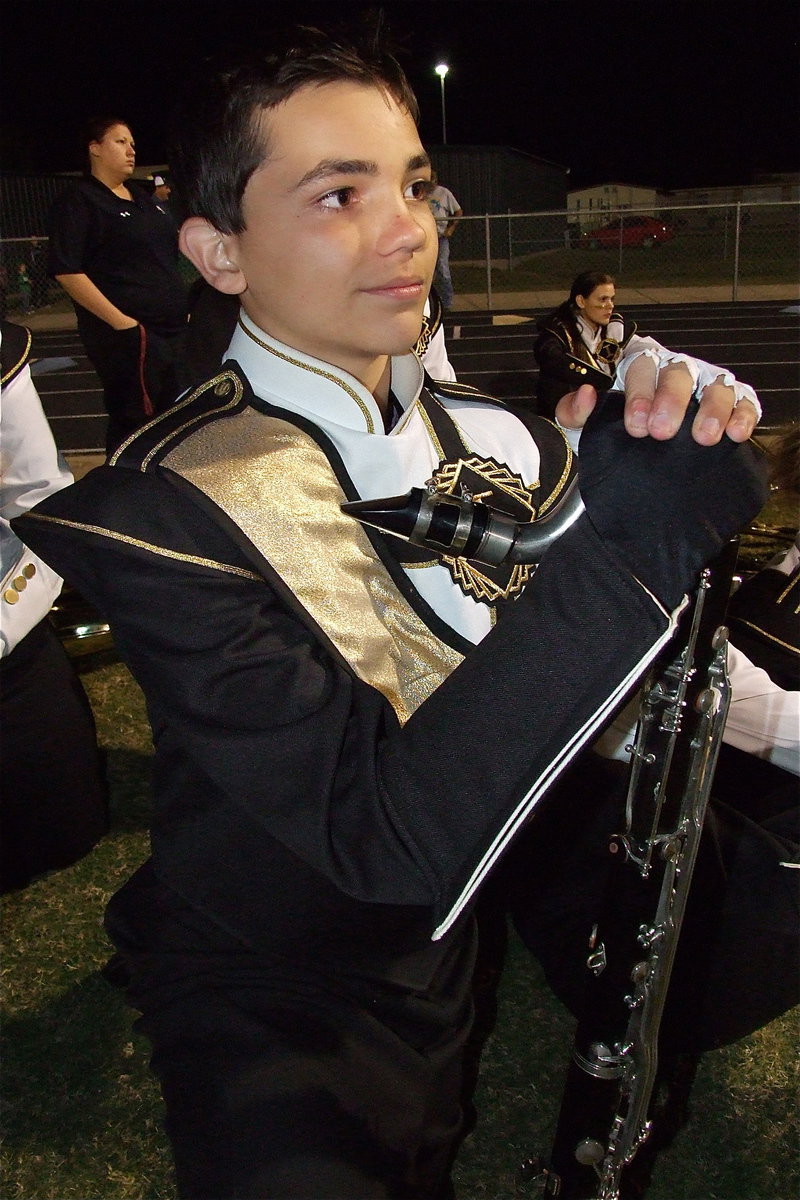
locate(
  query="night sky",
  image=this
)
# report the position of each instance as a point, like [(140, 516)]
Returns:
[(661, 93)]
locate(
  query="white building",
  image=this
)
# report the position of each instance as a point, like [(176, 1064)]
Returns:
[(591, 206)]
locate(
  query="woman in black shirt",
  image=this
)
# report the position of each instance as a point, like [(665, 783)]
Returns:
[(114, 249)]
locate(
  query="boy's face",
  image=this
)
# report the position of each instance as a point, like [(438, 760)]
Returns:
[(339, 246)]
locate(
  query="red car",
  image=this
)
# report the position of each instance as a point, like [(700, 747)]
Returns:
[(629, 231)]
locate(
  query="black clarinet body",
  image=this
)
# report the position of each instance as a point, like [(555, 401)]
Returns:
[(604, 1116)]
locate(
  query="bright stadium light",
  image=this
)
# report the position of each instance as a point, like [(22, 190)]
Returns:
[(441, 70)]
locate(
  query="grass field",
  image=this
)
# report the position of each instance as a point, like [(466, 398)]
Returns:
[(82, 1113)]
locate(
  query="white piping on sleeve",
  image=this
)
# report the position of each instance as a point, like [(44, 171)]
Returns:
[(540, 786)]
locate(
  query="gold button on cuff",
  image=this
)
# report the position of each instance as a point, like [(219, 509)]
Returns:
[(29, 570), (20, 583), (223, 388), (10, 596)]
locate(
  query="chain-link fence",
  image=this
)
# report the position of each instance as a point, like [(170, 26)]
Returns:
[(25, 286), (729, 246), (726, 246)]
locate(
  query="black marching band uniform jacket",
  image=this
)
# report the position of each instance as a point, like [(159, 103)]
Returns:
[(565, 361), (348, 731)]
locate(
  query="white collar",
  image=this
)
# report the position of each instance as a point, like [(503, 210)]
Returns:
[(314, 388), (591, 337), (381, 464)]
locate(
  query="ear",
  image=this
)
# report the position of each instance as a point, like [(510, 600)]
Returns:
[(213, 254), (580, 301)]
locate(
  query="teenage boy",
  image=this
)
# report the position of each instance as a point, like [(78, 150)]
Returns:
[(347, 730)]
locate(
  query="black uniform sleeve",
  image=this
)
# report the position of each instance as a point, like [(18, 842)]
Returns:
[(256, 727), (263, 734), (15, 349), (69, 226), (550, 354), (560, 367)]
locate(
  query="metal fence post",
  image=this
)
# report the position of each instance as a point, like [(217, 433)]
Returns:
[(736, 234), (488, 263)]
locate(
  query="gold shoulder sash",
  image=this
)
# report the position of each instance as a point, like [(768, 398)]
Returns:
[(277, 485)]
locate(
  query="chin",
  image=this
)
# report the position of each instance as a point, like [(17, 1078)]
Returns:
[(405, 332)]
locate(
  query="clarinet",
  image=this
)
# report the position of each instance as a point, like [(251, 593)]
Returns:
[(604, 1112)]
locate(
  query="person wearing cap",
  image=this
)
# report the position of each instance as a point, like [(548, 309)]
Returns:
[(161, 189)]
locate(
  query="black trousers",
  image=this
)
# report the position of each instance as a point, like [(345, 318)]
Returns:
[(292, 1076), (140, 369), (53, 802)]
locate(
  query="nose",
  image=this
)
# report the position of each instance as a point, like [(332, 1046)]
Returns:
[(404, 226)]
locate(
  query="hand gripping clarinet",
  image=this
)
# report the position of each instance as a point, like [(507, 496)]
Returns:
[(605, 1106)]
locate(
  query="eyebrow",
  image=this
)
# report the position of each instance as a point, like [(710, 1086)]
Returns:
[(329, 167)]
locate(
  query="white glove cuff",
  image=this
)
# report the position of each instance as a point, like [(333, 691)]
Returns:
[(742, 391)]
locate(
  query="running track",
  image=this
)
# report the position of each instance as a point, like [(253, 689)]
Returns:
[(759, 341)]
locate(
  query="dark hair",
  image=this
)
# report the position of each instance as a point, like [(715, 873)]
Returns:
[(97, 128), (784, 460), (585, 283), (567, 312), (217, 142)]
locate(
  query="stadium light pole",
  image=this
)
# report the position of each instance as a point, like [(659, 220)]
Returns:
[(441, 70)]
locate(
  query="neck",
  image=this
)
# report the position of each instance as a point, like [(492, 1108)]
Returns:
[(117, 183), (375, 374), (379, 380)]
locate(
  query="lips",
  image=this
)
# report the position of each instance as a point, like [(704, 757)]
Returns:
[(401, 288)]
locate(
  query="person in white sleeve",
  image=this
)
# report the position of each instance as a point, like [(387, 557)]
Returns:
[(53, 801)]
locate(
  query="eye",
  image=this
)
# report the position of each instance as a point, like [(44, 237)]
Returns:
[(340, 198), (420, 189)]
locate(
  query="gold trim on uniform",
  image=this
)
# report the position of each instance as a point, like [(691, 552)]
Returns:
[(769, 636), (466, 390), (296, 362), (437, 445), (499, 478), (475, 583), (226, 380), (793, 583), (153, 549), (283, 482), (500, 482), (21, 360), (550, 500), (425, 337)]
